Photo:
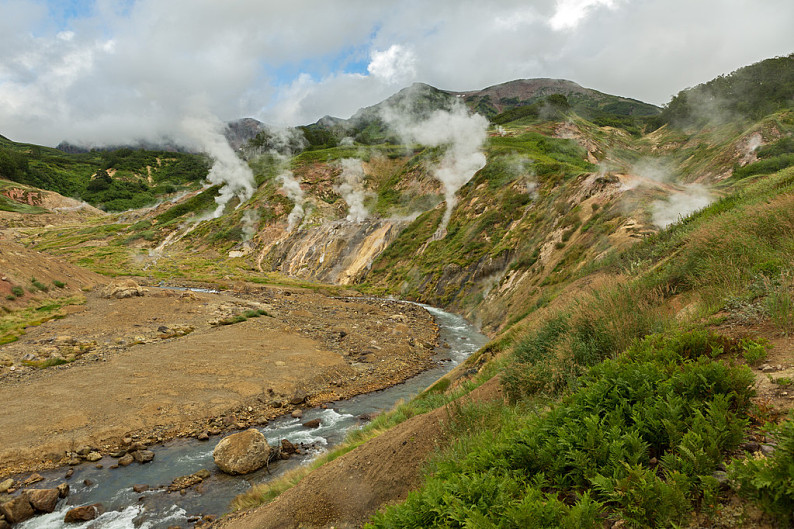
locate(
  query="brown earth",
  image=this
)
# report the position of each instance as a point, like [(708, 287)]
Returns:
[(161, 366), (18, 265), (351, 488)]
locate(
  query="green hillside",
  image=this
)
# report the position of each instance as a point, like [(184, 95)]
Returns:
[(114, 180)]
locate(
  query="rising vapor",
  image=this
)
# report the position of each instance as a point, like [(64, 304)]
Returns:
[(463, 134), (352, 189), (230, 172)]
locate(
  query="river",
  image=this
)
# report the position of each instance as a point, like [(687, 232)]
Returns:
[(156, 509)]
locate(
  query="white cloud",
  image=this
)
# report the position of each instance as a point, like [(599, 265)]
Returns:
[(396, 65), (570, 13), (117, 75)]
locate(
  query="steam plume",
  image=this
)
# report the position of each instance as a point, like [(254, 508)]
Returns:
[(680, 204), (294, 192), (352, 189), (230, 172), (250, 223), (462, 133)]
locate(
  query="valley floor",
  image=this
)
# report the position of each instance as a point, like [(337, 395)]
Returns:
[(171, 363)]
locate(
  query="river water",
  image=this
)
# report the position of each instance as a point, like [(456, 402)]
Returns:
[(156, 509)]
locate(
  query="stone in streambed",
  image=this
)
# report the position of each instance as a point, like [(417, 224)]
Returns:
[(43, 500), (63, 490), (126, 460), (5, 485), (242, 453), (83, 513), (314, 423), (17, 510), (143, 456)]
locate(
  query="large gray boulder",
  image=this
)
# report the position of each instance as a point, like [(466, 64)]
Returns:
[(242, 453)]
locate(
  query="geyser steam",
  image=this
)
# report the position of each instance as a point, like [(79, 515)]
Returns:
[(230, 172), (352, 189), (462, 133), (294, 192)]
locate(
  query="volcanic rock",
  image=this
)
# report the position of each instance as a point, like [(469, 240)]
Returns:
[(43, 500), (83, 513), (125, 460), (125, 288), (242, 453), (17, 510), (314, 423), (143, 456), (5, 485)]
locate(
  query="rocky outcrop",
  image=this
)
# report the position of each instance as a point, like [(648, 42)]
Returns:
[(337, 252), (125, 288), (242, 453)]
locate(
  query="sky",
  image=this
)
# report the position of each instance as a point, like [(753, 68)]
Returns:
[(107, 72)]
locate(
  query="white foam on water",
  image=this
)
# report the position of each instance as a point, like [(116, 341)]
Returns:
[(195, 457)]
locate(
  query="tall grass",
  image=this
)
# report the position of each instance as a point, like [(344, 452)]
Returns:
[(598, 326)]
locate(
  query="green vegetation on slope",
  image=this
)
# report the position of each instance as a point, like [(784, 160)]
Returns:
[(638, 441), (748, 93), (114, 180)]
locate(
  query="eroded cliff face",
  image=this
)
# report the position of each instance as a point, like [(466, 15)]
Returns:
[(338, 252)]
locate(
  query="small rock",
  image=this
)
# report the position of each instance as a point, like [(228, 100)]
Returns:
[(767, 449), (143, 456), (140, 488), (5, 485), (84, 451), (34, 478), (722, 479), (297, 414), (17, 510), (43, 500), (69, 473), (298, 398), (93, 457), (73, 462), (287, 447), (203, 473), (203, 436), (83, 513), (137, 445), (87, 482), (126, 441), (118, 453), (63, 490), (126, 460), (314, 423), (750, 446)]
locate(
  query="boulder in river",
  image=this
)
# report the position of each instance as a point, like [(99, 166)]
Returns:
[(17, 510), (43, 500), (83, 513), (314, 423), (242, 453), (126, 460)]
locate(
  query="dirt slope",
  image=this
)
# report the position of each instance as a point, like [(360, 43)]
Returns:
[(348, 490)]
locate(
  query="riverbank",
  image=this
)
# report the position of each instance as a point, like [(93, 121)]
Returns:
[(174, 364)]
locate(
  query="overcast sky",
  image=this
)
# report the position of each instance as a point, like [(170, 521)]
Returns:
[(105, 72)]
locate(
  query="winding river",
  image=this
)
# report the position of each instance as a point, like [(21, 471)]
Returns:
[(156, 509)]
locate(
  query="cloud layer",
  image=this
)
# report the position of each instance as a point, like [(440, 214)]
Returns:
[(136, 69)]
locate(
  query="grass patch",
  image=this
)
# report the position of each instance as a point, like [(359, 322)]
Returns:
[(13, 324)]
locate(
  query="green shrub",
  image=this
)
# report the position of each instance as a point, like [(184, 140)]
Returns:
[(638, 440), (754, 352), (769, 481), (38, 285), (18, 291), (59, 284), (11, 297)]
